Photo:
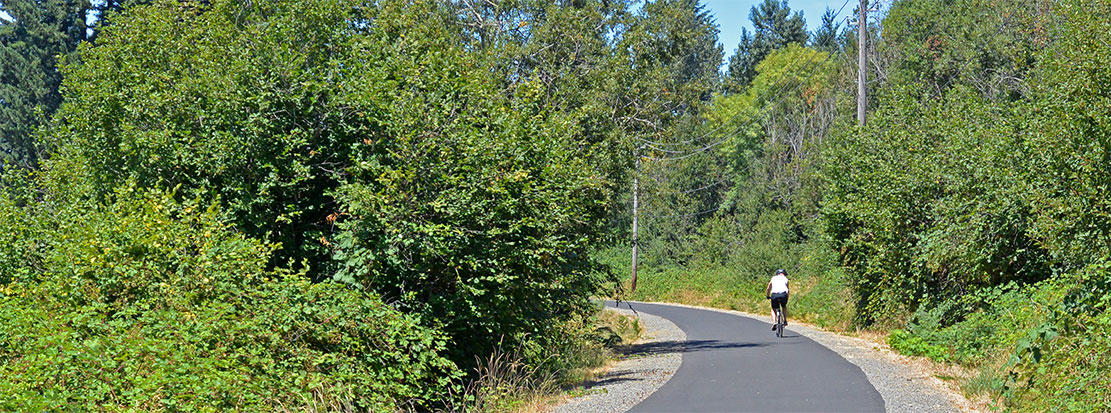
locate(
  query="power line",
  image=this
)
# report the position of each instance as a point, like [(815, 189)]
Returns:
[(778, 94), (685, 215), (657, 145), (705, 187)]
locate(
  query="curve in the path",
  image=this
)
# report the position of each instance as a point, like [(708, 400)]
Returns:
[(736, 364)]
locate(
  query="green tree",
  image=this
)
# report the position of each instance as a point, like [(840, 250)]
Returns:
[(673, 60), (672, 73), (565, 51), (829, 36), (742, 64), (31, 44), (375, 145), (774, 27), (910, 214), (940, 45)]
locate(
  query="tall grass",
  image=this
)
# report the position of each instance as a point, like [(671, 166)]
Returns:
[(522, 380)]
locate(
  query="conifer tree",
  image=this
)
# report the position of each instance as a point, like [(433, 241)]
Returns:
[(827, 36), (32, 43), (775, 27)]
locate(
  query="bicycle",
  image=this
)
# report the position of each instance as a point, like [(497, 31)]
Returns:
[(780, 323)]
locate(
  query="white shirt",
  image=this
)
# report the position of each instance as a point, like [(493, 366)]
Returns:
[(779, 284)]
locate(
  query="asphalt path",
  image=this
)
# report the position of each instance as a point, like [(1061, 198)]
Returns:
[(736, 364)]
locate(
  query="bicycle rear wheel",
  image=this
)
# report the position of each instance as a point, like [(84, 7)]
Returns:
[(779, 323)]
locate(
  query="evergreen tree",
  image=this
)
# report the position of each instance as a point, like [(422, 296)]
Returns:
[(826, 38), (742, 65), (775, 27), (31, 44)]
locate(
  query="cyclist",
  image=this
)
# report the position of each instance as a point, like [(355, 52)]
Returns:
[(778, 292)]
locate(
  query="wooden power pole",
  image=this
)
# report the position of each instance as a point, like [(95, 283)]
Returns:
[(862, 77), (636, 217)]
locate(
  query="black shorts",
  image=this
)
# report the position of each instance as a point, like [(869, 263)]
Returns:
[(779, 300)]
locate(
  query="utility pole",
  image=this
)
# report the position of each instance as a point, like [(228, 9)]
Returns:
[(861, 45), (636, 205)]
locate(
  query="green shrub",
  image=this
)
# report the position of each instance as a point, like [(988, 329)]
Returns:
[(907, 343), (145, 303), (974, 329), (369, 142), (1071, 373)]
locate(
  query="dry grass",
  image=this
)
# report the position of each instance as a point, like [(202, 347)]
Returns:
[(507, 384), (626, 327)]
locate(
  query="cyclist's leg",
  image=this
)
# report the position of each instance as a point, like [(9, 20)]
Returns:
[(783, 308), (772, 301)]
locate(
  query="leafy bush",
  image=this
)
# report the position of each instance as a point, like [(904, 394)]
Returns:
[(145, 303), (1070, 372), (979, 328), (479, 226), (906, 342), (369, 142)]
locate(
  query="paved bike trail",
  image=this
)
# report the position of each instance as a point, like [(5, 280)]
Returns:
[(736, 364)]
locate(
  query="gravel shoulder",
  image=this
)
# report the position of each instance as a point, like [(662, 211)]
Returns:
[(904, 384), (643, 367)]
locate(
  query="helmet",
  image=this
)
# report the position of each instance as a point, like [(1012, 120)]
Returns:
[(781, 271)]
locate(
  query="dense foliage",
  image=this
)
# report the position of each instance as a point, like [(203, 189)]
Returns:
[(965, 203), (453, 160), (36, 37), (143, 302), (365, 141)]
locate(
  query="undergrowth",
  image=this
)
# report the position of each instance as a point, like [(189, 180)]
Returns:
[(513, 380)]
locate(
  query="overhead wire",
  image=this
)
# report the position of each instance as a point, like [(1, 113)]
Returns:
[(705, 187), (728, 136), (797, 85), (721, 125), (775, 98), (841, 53)]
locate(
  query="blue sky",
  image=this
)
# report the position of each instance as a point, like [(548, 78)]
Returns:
[(731, 15)]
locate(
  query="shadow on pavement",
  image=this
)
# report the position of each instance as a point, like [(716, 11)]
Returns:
[(686, 346)]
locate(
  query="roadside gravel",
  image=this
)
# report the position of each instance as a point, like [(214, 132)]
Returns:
[(643, 367)]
